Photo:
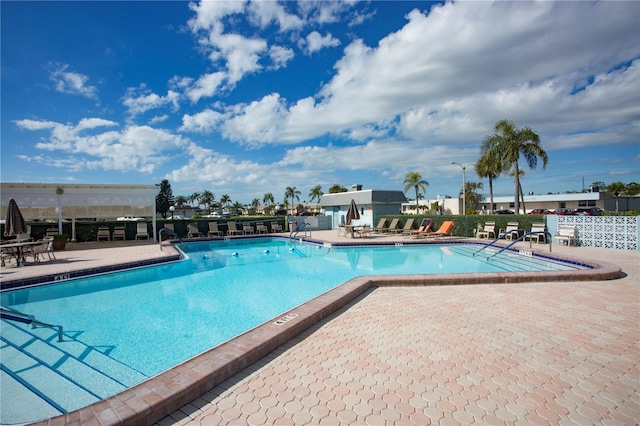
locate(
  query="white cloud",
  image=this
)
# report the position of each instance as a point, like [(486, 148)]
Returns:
[(205, 86), (135, 148), (280, 56), (262, 13), (203, 122), (72, 83), (315, 42), (140, 100)]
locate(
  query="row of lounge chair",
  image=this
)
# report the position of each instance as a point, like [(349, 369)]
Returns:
[(104, 234), (232, 229), (566, 233), (423, 231)]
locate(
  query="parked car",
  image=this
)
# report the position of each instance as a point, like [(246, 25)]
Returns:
[(503, 212), (540, 211), (591, 211), (565, 212), (130, 218), (304, 213), (280, 212)]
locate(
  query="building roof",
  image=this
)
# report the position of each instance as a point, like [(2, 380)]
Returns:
[(367, 196)]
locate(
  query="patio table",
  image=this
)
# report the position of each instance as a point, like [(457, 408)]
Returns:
[(17, 249)]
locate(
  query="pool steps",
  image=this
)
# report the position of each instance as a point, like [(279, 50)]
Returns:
[(43, 366)]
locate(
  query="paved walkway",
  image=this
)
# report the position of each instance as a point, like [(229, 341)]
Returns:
[(535, 353)]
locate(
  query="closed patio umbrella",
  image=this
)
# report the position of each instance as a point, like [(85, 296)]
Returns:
[(14, 223), (352, 213)]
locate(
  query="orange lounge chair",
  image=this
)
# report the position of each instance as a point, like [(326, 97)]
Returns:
[(444, 230), (425, 227)]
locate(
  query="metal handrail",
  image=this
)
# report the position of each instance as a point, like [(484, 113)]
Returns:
[(503, 235), (300, 227), (13, 315), (168, 232)]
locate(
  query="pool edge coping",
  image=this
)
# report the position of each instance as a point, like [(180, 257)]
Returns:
[(161, 395)]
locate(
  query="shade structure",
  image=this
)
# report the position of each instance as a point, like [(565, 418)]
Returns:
[(14, 223), (352, 213)]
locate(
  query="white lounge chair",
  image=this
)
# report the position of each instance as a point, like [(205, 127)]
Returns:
[(213, 230), (566, 234), (141, 231), (103, 233)]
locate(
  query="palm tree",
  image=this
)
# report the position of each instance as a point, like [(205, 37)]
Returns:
[(268, 198), (616, 189), (509, 143), (316, 192), (524, 208), (194, 197), (414, 180), (292, 192), (471, 192), (489, 166), (180, 200), (207, 198), (225, 200)]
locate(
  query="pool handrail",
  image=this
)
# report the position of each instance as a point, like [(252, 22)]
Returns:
[(300, 227), (526, 233), (13, 315), (170, 233)]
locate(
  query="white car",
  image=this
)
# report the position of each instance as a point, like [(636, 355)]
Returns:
[(130, 218)]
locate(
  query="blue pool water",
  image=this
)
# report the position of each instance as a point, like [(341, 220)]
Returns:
[(125, 327)]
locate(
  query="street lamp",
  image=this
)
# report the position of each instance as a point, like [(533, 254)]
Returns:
[(464, 186), (172, 209)]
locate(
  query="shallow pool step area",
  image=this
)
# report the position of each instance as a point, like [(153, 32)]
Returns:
[(44, 377)]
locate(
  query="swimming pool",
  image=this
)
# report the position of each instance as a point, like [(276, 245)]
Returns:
[(119, 327)]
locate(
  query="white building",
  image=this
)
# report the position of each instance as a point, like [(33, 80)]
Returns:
[(371, 205)]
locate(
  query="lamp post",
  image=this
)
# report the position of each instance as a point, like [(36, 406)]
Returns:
[(464, 186), (172, 209)]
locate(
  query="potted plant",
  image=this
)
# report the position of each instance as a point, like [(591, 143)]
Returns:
[(60, 241)]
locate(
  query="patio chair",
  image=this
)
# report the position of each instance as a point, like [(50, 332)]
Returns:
[(444, 230), (488, 231), (193, 231), (408, 226), (261, 228), (232, 229), (247, 229), (380, 226), (103, 234), (276, 227), (392, 226), (141, 231), (511, 231), (119, 233), (424, 228), (213, 230), (44, 248), (538, 237), (51, 232), (566, 234), (365, 231)]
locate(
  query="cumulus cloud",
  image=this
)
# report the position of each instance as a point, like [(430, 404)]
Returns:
[(134, 148), (140, 100), (203, 122), (315, 42), (72, 83)]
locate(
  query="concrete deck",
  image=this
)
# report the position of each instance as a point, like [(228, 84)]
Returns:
[(541, 352)]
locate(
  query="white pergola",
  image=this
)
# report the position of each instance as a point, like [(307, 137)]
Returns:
[(45, 201)]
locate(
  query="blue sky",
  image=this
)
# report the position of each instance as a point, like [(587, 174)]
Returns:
[(244, 98)]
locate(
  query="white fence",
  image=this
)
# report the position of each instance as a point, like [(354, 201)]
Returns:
[(614, 232)]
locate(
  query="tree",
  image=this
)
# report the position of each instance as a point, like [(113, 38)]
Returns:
[(616, 189), (336, 189), (164, 199), (524, 208), (631, 189), (268, 198), (316, 192), (207, 198), (414, 180), (292, 192), (194, 197), (509, 143), (473, 198), (225, 200), (489, 166), (180, 200)]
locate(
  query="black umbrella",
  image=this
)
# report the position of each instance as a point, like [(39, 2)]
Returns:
[(15, 223), (352, 213)]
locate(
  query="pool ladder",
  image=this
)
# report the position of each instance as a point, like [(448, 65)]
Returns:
[(301, 227), (502, 236), (13, 315), (170, 233)]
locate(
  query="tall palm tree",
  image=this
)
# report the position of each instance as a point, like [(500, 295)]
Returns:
[(524, 207), (194, 197), (316, 192), (471, 192), (509, 143), (268, 198), (292, 192), (489, 166), (225, 200), (414, 180), (180, 200), (207, 198)]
